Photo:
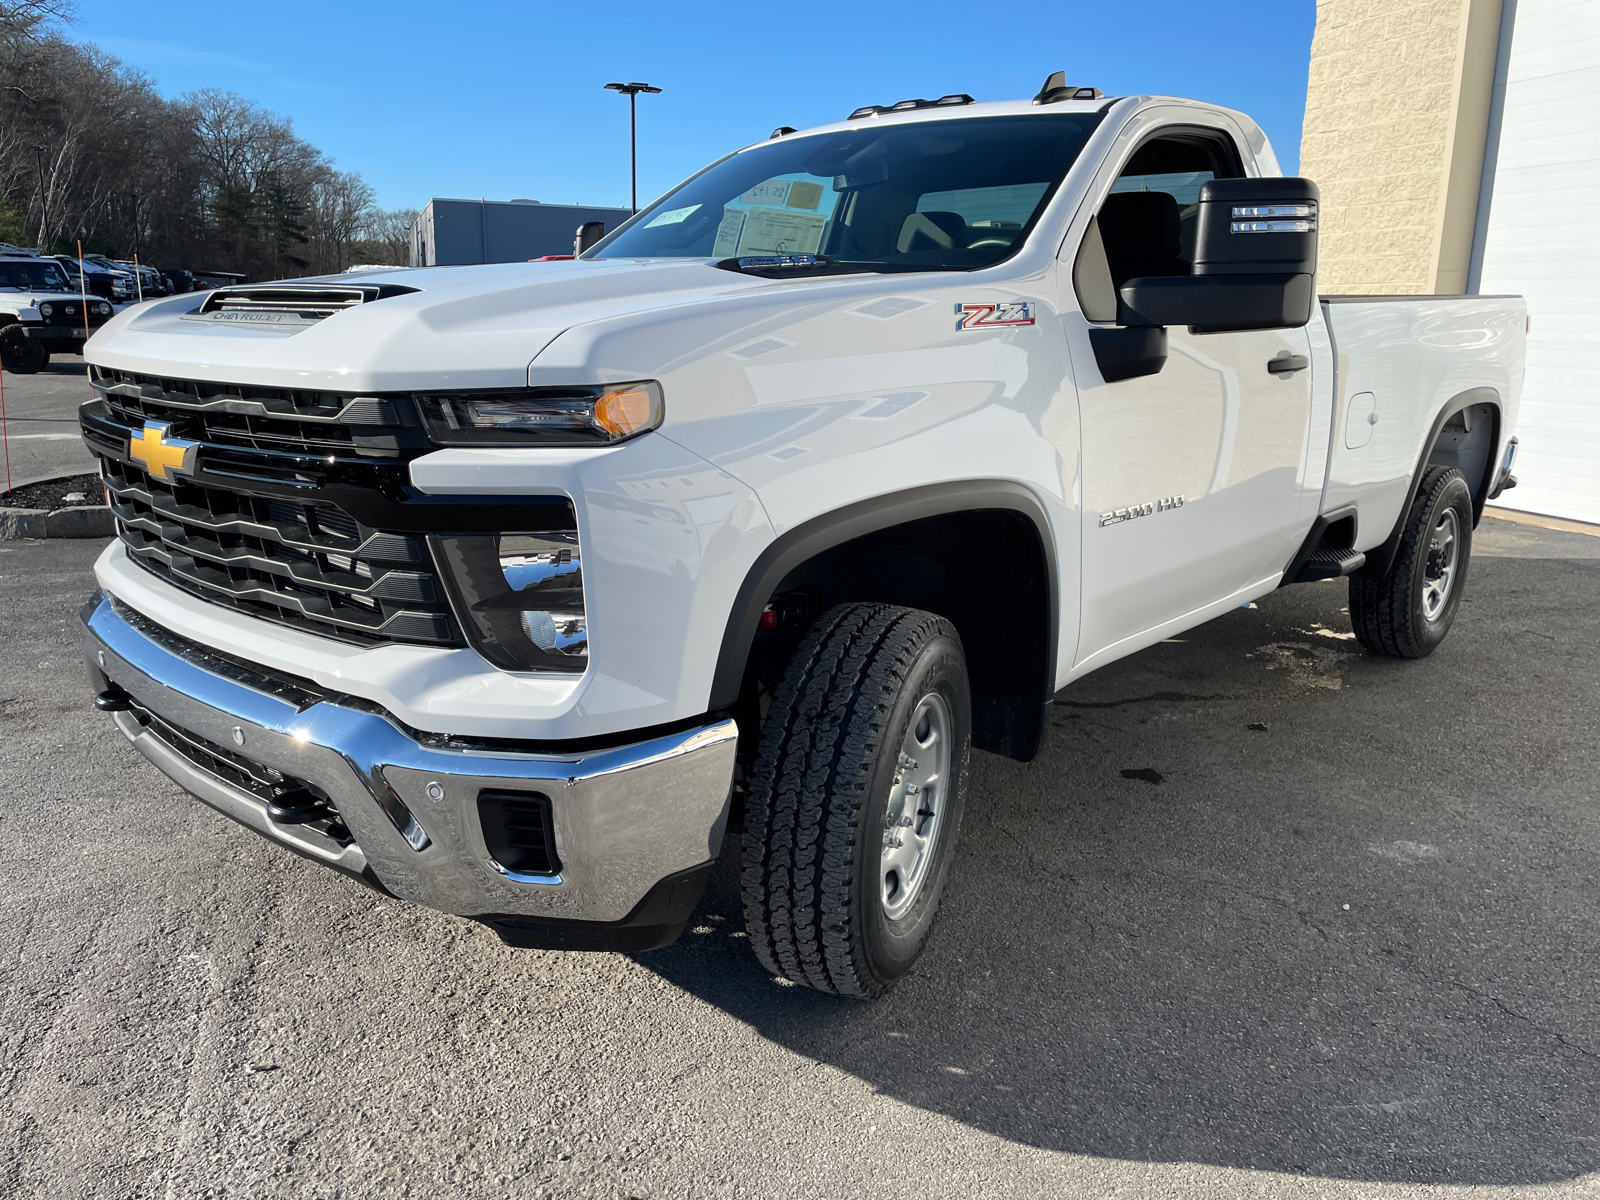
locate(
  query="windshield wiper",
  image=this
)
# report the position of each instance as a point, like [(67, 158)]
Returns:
[(785, 266)]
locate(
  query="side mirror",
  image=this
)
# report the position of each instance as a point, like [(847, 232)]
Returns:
[(1255, 262), (589, 233)]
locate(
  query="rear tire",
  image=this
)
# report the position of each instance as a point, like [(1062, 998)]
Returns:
[(19, 354), (854, 803), (1408, 612)]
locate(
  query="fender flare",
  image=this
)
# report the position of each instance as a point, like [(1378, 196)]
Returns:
[(807, 540), (1381, 557)]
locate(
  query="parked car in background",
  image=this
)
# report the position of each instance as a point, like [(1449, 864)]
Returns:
[(124, 286), (215, 279), (41, 313), (178, 281), (150, 282), (98, 280)]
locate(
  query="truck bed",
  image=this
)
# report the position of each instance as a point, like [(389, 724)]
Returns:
[(1402, 360)]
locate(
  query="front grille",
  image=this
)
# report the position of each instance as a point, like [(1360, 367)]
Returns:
[(266, 526), (308, 565), (70, 314), (288, 421)]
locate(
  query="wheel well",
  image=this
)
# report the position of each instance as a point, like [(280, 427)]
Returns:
[(1466, 441), (987, 571)]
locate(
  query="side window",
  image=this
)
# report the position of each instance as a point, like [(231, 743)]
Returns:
[(1146, 225)]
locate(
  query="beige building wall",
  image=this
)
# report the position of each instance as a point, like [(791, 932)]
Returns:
[(1397, 111)]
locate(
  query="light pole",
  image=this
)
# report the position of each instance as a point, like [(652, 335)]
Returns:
[(44, 205), (630, 90)]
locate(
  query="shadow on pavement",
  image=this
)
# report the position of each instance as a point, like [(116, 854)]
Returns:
[(1355, 943)]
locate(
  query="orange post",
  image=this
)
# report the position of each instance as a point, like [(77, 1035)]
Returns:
[(83, 290), (5, 432)]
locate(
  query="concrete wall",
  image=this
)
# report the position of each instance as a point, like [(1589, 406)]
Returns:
[(1397, 107)]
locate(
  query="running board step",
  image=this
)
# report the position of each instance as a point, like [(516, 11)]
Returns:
[(1330, 562)]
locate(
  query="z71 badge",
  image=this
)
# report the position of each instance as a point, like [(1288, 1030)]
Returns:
[(987, 316)]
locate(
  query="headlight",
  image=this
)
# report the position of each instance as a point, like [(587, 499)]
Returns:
[(47, 310), (520, 597), (571, 416), (103, 309)]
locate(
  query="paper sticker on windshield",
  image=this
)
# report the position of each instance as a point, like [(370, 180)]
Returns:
[(804, 195), (773, 191), (988, 316), (672, 216)]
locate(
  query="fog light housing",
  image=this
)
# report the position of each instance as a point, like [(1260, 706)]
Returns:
[(520, 597), (544, 416)]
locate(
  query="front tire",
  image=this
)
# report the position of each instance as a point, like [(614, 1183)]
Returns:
[(1408, 612), (19, 354), (855, 800)]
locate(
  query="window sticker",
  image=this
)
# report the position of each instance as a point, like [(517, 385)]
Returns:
[(773, 191), (804, 195), (780, 231), (989, 316), (727, 243), (673, 216)]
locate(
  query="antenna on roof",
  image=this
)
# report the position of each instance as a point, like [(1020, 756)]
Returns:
[(1056, 88)]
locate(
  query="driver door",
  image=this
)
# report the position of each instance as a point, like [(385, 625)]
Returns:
[(1192, 477)]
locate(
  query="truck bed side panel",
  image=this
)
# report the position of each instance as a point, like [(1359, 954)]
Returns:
[(1401, 359)]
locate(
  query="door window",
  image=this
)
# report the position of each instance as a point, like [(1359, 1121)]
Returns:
[(1146, 226)]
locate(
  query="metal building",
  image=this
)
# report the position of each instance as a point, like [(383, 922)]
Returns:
[(451, 233)]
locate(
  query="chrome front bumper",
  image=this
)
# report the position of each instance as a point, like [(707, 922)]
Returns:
[(636, 827)]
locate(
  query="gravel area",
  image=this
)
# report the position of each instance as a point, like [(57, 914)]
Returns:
[(56, 493)]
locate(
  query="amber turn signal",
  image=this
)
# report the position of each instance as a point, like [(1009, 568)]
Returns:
[(626, 411)]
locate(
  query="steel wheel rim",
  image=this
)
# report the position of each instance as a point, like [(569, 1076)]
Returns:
[(1443, 564), (914, 813)]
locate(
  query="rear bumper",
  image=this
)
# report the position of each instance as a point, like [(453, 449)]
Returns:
[(635, 827)]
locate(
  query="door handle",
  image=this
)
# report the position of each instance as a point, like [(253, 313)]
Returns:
[(1288, 363)]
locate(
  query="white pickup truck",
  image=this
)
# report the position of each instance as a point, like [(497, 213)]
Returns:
[(509, 588)]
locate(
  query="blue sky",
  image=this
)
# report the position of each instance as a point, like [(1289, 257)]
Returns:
[(506, 100)]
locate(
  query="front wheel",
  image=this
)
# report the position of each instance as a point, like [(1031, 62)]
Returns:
[(20, 354), (854, 803), (1406, 613)]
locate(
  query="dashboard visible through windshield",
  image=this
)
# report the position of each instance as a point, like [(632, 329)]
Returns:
[(950, 195)]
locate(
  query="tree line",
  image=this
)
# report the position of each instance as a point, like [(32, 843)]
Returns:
[(90, 151)]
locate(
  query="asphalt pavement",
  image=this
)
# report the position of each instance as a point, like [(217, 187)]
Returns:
[(1268, 917), (41, 425)]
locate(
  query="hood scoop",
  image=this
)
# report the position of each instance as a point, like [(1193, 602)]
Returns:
[(288, 306)]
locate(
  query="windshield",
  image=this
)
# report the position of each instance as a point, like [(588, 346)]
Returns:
[(31, 275), (936, 195)]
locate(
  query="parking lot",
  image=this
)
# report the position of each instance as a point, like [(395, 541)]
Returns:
[(41, 421), (1267, 916)]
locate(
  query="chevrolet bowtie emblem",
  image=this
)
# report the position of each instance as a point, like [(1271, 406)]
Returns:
[(160, 453)]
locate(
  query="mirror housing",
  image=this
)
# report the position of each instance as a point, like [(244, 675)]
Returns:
[(1254, 266), (589, 233)]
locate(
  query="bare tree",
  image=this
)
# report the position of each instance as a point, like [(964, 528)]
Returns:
[(209, 180)]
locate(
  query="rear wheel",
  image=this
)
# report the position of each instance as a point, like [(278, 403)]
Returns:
[(1408, 612), (854, 804), (20, 354)]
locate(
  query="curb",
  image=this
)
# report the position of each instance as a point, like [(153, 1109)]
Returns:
[(78, 521)]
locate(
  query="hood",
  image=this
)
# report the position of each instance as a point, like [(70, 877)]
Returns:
[(461, 327)]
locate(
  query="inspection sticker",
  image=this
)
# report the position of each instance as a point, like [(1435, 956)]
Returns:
[(987, 316)]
